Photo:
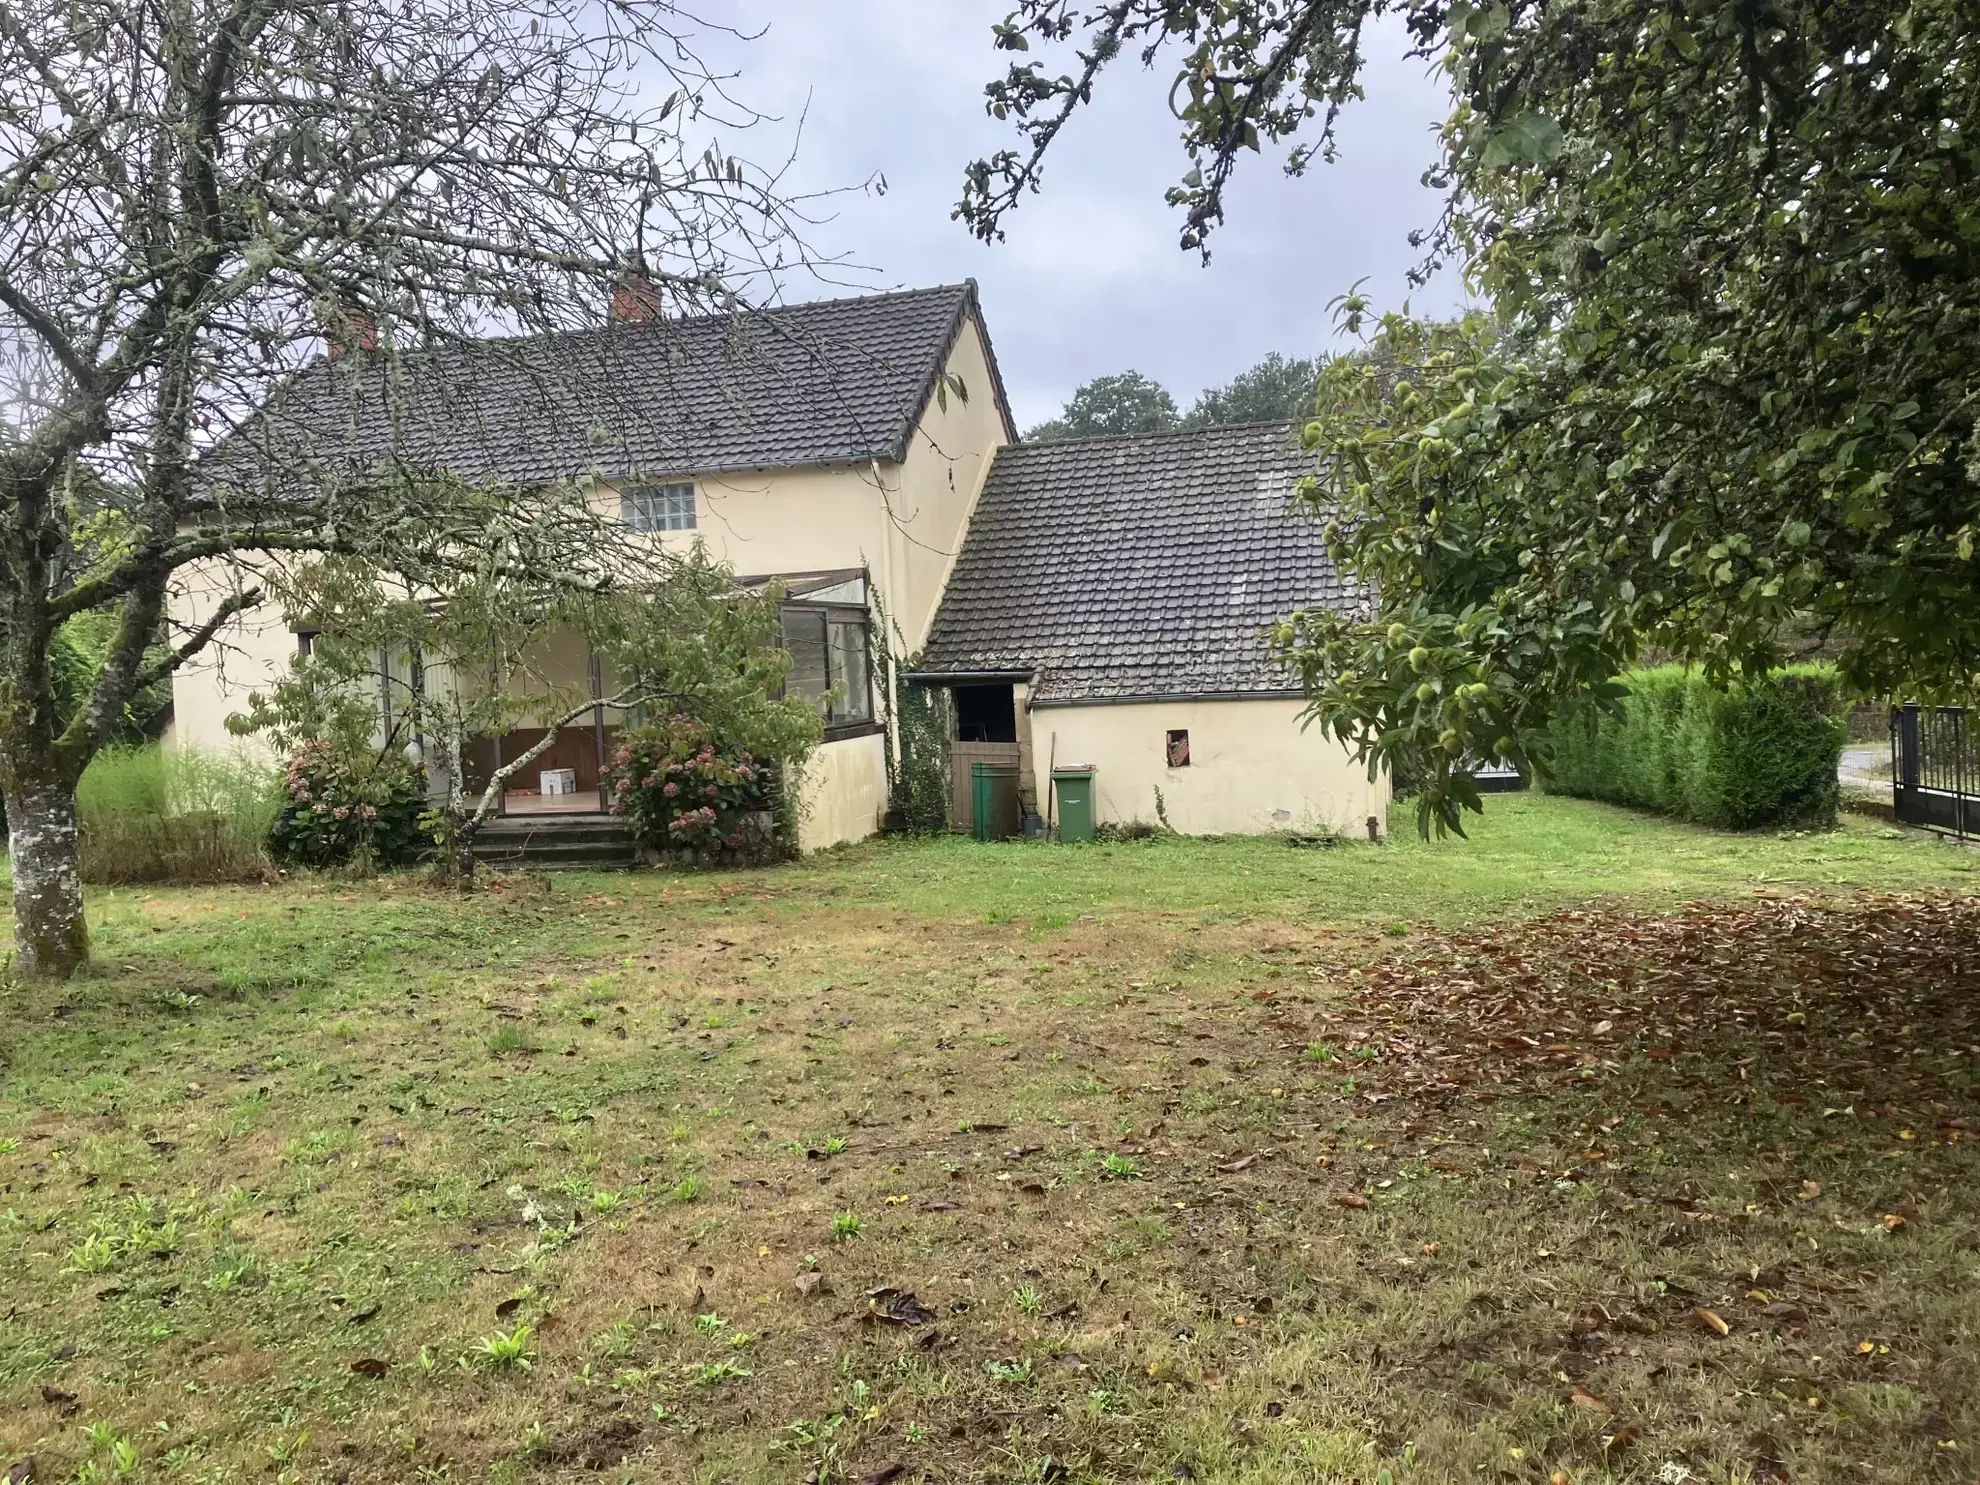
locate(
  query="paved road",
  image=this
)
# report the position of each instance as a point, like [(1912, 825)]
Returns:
[(1854, 771)]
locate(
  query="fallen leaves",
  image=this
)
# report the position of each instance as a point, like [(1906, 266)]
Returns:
[(1502, 1009), (1620, 1440), (890, 1306), (1712, 1321), (371, 1366), (1582, 1398)]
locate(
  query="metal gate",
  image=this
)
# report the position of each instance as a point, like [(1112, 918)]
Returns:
[(1935, 768)]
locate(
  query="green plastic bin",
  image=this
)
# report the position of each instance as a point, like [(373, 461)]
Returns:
[(993, 800), (1074, 787)]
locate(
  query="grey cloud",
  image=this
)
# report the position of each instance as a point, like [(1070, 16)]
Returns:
[(1090, 279)]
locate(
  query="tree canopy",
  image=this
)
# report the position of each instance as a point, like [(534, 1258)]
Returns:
[(1277, 388), (1126, 402), (1730, 384)]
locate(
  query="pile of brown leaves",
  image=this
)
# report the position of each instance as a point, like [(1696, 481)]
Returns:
[(1860, 1005)]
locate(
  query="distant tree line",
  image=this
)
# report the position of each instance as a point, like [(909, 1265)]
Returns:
[(1277, 388)]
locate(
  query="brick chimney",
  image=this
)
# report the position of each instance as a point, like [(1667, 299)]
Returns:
[(636, 298), (347, 330)]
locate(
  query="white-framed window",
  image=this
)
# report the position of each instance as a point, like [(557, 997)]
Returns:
[(668, 507)]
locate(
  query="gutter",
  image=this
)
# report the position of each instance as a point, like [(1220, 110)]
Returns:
[(1038, 703), (967, 677)]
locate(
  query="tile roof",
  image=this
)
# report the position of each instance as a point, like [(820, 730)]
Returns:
[(836, 380), (1149, 565)]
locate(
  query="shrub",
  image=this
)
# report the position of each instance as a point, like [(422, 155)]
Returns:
[(1756, 753), (343, 810), (149, 815), (683, 788)]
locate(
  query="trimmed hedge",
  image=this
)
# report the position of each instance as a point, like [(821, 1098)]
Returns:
[(1758, 753)]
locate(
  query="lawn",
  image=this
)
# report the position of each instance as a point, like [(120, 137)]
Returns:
[(1592, 1148)]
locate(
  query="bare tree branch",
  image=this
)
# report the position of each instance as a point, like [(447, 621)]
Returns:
[(198, 200)]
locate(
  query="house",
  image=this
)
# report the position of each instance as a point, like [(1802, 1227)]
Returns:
[(1108, 609), (1101, 602), (837, 445)]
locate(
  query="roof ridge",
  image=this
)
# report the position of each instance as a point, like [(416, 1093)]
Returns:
[(928, 291), (1152, 436), (665, 321)]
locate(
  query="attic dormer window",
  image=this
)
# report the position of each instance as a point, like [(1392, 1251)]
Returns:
[(668, 507)]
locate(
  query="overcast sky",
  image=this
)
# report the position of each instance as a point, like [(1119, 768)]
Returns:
[(1089, 279)]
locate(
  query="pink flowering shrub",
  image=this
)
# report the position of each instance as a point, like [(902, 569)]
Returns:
[(682, 787), (336, 810)]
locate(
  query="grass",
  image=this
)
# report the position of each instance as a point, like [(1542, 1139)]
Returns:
[(360, 1181), (148, 815), (1529, 853)]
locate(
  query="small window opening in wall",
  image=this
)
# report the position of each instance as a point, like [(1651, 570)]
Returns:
[(305, 643), (1179, 748), (986, 714), (668, 507)]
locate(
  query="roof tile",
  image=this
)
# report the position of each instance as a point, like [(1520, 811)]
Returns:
[(1149, 565), (837, 380)]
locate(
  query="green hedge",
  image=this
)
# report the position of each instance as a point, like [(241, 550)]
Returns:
[(1756, 753)]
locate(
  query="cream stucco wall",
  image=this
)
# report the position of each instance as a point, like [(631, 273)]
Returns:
[(947, 462), (844, 792), (256, 650), (1252, 769), (250, 655)]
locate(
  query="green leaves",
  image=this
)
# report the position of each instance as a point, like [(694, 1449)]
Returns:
[(1527, 139), (1126, 402), (1717, 412), (1759, 753)]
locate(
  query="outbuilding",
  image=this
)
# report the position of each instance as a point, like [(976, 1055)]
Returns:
[(1110, 609)]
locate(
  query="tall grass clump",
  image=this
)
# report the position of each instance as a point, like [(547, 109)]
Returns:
[(1752, 753), (152, 815)]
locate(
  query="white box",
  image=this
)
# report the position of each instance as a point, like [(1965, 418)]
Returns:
[(559, 780)]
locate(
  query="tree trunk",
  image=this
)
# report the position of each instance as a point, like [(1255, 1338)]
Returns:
[(463, 848), (51, 933)]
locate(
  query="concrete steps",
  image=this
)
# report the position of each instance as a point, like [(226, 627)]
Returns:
[(547, 842)]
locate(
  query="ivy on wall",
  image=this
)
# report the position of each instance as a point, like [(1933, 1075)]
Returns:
[(918, 765), (918, 742)]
